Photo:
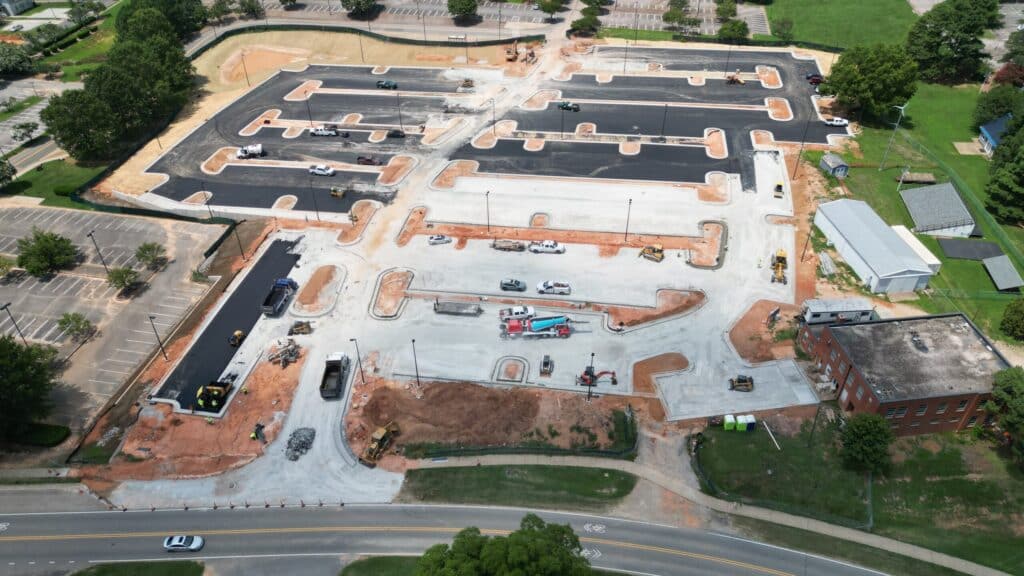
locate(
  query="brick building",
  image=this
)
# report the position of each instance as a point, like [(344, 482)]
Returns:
[(924, 374)]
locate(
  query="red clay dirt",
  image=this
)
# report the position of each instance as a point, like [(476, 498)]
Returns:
[(752, 338), (778, 109), (629, 148), (173, 445), (716, 190), (539, 101), (433, 135), (396, 169), (645, 370), (714, 139), (769, 76), (533, 144), (361, 213), (286, 202), (216, 162), (539, 220), (309, 296), (391, 292), (446, 179), (199, 197), (488, 138)]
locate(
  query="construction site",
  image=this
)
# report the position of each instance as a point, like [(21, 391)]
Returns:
[(544, 245)]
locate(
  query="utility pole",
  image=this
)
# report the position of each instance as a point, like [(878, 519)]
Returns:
[(399, 100), (246, 70), (359, 359), (239, 240), (895, 129), (629, 209), (157, 334), (803, 139), (312, 194), (92, 236), (590, 388), (664, 120), (487, 199), (7, 308), (209, 196), (362, 57), (415, 362)]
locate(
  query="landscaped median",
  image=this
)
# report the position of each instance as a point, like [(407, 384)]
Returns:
[(171, 568)]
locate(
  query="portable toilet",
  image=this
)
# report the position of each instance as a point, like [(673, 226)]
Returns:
[(741, 423), (751, 422), (730, 422)]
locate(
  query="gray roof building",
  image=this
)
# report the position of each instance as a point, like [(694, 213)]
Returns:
[(875, 252), (938, 210), (1003, 274), (921, 357)]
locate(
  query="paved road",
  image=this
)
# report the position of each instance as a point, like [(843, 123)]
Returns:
[(33, 544), (211, 353)]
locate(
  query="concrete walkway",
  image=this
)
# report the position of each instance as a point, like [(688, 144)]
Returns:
[(678, 486)]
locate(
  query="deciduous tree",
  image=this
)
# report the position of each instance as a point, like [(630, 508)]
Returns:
[(549, 7), (185, 16), (219, 9), (1007, 404), (1006, 188), (585, 25), (145, 24), (6, 265), (733, 30), (152, 254), (24, 131), (462, 9), (76, 325), (726, 9), (251, 9), (27, 375), (873, 78), (358, 7), (82, 124), (946, 45), (122, 278), (999, 101), (14, 59), (44, 252), (865, 443), (7, 172), (1012, 323)]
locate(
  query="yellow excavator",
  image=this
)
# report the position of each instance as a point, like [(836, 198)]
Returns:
[(379, 442), (779, 267)]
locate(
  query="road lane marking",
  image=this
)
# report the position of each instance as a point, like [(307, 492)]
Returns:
[(386, 529)]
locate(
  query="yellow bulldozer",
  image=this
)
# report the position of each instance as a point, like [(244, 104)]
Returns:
[(654, 253), (779, 267), (379, 442)]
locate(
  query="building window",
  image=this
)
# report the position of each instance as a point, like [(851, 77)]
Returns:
[(849, 378), (815, 314), (954, 419), (832, 355), (921, 409), (915, 424), (972, 421), (890, 412), (934, 422), (901, 411), (842, 366), (961, 406), (942, 408), (860, 392)]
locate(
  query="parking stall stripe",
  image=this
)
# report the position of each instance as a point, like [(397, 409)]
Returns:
[(114, 371), (142, 331), (103, 382), (108, 293), (139, 341), (47, 326), (131, 351), (179, 308), (121, 361), (162, 314)]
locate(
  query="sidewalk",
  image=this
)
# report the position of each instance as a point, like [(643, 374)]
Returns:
[(677, 486)]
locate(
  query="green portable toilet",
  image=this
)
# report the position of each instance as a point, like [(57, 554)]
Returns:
[(741, 423), (730, 422)]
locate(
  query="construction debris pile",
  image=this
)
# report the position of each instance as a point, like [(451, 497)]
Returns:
[(284, 352), (299, 443)]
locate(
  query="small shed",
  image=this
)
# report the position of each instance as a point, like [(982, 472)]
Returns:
[(938, 210), (1003, 274), (834, 165), (992, 132)]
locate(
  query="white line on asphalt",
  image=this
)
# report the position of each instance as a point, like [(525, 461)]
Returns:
[(162, 314), (141, 332), (177, 298), (132, 351), (114, 371), (139, 341), (103, 382), (172, 307), (122, 361), (783, 548)]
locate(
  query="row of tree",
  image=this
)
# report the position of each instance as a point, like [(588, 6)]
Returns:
[(1005, 190), (146, 79)]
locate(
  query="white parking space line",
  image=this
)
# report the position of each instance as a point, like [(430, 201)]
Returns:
[(103, 382), (114, 371), (172, 307), (166, 324), (142, 331), (72, 286), (162, 314), (121, 361), (143, 353), (139, 341), (50, 331)]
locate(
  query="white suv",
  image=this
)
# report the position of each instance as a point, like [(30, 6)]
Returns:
[(554, 287), (321, 170), (547, 247)]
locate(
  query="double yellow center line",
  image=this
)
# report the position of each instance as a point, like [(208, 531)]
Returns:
[(385, 529)]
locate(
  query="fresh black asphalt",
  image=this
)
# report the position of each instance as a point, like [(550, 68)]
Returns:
[(211, 352)]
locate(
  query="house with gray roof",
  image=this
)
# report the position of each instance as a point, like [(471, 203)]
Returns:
[(883, 261), (938, 211)]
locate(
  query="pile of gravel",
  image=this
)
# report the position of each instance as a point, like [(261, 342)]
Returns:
[(299, 443)]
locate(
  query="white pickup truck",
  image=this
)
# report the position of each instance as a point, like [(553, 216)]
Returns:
[(547, 247), (554, 287), (516, 313)]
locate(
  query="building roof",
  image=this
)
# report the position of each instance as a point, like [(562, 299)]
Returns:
[(917, 246), (936, 207), (1003, 274), (993, 131), (834, 305), (833, 160), (877, 244), (920, 357)]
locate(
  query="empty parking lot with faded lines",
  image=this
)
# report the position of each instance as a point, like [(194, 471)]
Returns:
[(253, 185)]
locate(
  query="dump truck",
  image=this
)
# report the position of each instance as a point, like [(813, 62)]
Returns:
[(654, 253), (508, 245), (779, 267), (457, 308), (282, 289), (335, 374), (742, 383), (546, 327), (379, 442), (211, 398), (250, 151)]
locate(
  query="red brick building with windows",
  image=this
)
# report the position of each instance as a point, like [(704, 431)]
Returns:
[(924, 374)]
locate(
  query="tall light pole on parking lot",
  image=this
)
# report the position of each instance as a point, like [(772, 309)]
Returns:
[(494, 119), (239, 240), (561, 129), (895, 129), (398, 99), (487, 199), (803, 140), (629, 209), (309, 110), (359, 359), (312, 194), (92, 236), (664, 120), (7, 308), (209, 196), (157, 334), (636, 34), (415, 362)]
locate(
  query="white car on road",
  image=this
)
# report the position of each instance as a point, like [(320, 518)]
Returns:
[(837, 121), (321, 170), (547, 247), (554, 287), (438, 239), (183, 543)]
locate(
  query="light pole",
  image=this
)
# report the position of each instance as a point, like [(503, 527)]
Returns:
[(209, 196), (800, 153), (629, 209), (309, 110), (398, 99), (415, 362), (157, 334), (239, 239), (245, 69), (664, 120), (561, 129), (494, 119), (590, 389), (487, 199), (362, 57), (895, 129), (7, 308), (92, 237), (312, 194), (359, 359)]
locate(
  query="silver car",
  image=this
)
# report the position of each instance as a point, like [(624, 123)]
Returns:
[(183, 543)]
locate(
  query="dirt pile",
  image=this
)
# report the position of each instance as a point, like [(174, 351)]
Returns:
[(299, 442), (756, 342), (310, 297), (391, 293)]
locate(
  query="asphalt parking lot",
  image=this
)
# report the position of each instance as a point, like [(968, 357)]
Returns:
[(260, 187), (210, 354)]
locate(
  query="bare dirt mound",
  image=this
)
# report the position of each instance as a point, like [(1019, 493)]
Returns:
[(391, 292), (670, 303), (309, 296), (644, 370), (755, 342), (361, 213)]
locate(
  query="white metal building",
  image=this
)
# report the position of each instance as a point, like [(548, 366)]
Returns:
[(919, 248), (877, 254)]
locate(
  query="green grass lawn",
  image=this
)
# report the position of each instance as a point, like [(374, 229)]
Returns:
[(952, 494), (529, 486), (630, 33), (169, 568), (20, 106), (86, 55), (40, 434), (844, 23), (41, 182), (382, 566)]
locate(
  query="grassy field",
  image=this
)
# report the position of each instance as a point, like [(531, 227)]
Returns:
[(529, 486), (59, 174), (20, 106), (382, 566), (937, 116), (41, 434), (831, 22), (949, 493), (86, 55), (630, 33), (170, 568)]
